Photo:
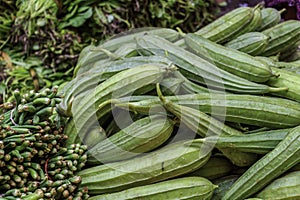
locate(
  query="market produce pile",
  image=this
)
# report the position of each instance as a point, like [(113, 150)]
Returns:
[(160, 114), (35, 160), (213, 114)]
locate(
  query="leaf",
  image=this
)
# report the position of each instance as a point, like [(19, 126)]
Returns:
[(81, 17)]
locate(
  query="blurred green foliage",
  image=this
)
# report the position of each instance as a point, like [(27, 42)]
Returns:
[(40, 40)]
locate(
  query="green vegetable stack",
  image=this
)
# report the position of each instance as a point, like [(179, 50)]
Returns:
[(35, 162), (213, 114)]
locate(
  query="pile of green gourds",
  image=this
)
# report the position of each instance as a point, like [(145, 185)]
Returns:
[(213, 114)]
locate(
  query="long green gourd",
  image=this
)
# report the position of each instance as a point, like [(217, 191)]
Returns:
[(171, 161), (124, 52), (200, 70), (231, 60), (121, 120), (127, 50), (283, 36), (260, 111), (285, 155), (285, 187), (287, 79), (259, 143), (73, 137), (270, 17), (252, 43), (92, 54), (228, 26), (141, 136), (205, 125), (188, 87), (85, 111), (180, 188), (255, 22), (99, 74), (108, 57)]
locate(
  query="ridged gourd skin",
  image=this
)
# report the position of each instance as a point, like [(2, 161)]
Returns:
[(269, 18), (100, 73), (228, 26), (288, 79), (255, 21), (259, 143), (199, 70), (181, 188), (285, 155), (230, 60), (91, 54), (286, 187), (252, 43), (141, 136), (85, 108), (168, 162), (205, 125), (283, 37), (262, 111)]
